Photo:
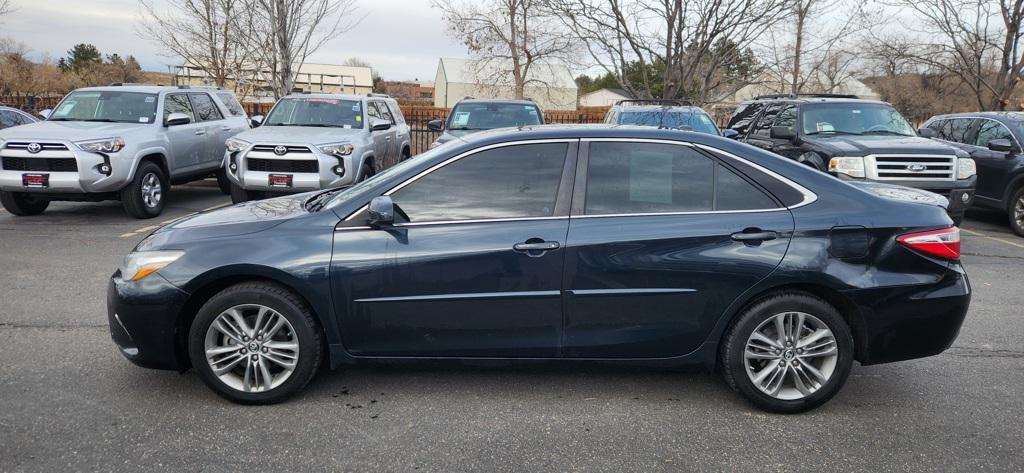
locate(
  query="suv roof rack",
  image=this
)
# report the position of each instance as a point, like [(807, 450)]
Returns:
[(796, 96), (126, 84), (203, 87), (676, 102), (373, 94)]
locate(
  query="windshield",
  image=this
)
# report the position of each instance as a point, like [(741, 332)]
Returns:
[(311, 111), (695, 121), (106, 106), (486, 116), (853, 119)]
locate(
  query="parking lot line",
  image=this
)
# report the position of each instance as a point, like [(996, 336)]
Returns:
[(976, 233), (216, 207)]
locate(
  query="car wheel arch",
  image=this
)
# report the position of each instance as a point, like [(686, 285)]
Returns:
[(156, 158)]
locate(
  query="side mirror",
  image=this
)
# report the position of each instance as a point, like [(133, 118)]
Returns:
[(730, 133), (1002, 145), (379, 125), (926, 133), (382, 212), (782, 133), (435, 125), (177, 119), (256, 121), (45, 113)]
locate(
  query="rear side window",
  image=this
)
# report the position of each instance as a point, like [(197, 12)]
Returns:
[(229, 100), (743, 117), (204, 107), (508, 182)]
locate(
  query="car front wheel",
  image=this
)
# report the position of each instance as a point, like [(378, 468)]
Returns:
[(1017, 212), (788, 353), (144, 196), (255, 343), (23, 204)]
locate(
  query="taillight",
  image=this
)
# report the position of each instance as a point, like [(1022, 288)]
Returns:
[(943, 243)]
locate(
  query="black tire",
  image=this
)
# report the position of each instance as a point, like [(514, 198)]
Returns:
[(239, 195), (366, 170), (23, 204), (957, 220), (735, 343), (135, 203), (1016, 211), (223, 182), (813, 160), (406, 154), (283, 301)]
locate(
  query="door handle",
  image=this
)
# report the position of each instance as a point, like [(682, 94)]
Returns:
[(200, 132), (754, 236), (536, 246), (225, 128)]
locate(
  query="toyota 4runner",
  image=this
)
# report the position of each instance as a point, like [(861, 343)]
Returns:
[(127, 143)]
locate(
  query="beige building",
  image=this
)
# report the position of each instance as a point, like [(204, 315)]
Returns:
[(769, 87), (550, 85), (254, 85), (604, 97)]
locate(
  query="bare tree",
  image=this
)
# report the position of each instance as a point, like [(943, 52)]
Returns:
[(671, 48), (204, 34), (509, 39), (289, 31)]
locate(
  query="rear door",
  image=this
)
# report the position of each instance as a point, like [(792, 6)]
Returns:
[(209, 115), (663, 237)]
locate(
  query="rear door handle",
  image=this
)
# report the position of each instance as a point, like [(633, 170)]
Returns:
[(225, 128), (755, 236), (536, 246)]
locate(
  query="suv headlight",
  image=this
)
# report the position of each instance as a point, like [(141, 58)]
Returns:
[(235, 145), (965, 168), (851, 166), (106, 145), (337, 149), (140, 264)]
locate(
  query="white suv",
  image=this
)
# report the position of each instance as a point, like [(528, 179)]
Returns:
[(126, 143), (316, 141)]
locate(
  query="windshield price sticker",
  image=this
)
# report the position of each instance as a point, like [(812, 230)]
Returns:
[(150, 99), (460, 120), (824, 127)]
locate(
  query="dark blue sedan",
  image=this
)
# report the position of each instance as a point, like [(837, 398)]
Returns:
[(630, 244)]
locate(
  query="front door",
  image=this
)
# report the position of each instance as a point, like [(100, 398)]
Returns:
[(381, 138), (477, 268), (994, 167), (188, 143), (662, 238)]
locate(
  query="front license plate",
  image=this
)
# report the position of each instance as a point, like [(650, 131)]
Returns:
[(35, 181), (280, 180)]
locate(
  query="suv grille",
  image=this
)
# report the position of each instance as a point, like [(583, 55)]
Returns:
[(270, 149), (40, 164), (283, 165), (915, 167), (23, 145)]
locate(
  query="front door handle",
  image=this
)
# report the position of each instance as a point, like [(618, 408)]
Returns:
[(225, 128), (200, 132), (536, 248), (755, 236)]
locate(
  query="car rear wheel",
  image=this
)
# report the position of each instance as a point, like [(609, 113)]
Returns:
[(366, 171), (255, 343), (144, 196), (788, 353), (406, 154), (223, 182), (1016, 212), (23, 204)]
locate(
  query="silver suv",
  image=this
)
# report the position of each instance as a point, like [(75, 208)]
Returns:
[(316, 141), (126, 143)]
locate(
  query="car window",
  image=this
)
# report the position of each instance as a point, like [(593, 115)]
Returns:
[(941, 129), (733, 192), (787, 117), (106, 106), (486, 116), (229, 100), (204, 107), (743, 117), (372, 111), (853, 118), (25, 119), (396, 112), (666, 118), (507, 182), (316, 112), (764, 124), (8, 119), (178, 103), (959, 127), (992, 130), (384, 112), (625, 178)]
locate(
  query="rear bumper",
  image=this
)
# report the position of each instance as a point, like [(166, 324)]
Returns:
[(907, 322), (142, 321)]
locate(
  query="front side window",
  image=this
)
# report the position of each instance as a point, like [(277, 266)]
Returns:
[(744, 116), (178, 103), (316, 112), (106, 106), (787, 117), (517, 181), (764, 125), (385, 113), (851, 118), (992, 130), (639, 178), (8, 119), (959, 129), (941, 129), (204, 107), (486, 116)]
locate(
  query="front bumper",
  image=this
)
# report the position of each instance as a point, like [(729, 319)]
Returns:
[(907, 322), (143, 321), (959, 193), (86, 179), (259, 180)]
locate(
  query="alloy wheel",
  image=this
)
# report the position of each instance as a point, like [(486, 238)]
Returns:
[(251, 348), (152, 191), (1018, 211), (790, 355)]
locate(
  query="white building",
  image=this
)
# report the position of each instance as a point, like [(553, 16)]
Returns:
[(550, 85), (604, 97)]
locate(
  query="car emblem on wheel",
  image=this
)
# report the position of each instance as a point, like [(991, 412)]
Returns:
[(280, 150), (916, 167), (34, 148)]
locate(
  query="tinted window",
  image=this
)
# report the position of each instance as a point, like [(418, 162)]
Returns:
[(178, 103), (485, 116), (732, 192), (106, 106), (507, 182), (992, 130), (205, 108), (316, 111), (8, 119), (941, 129), (646, 178), (764, 125), (745, 114), (959, 127), (229, 100), (787, 117), (689, 120)]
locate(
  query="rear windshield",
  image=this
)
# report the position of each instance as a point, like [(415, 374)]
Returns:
[(322, 112), (695, 121), (106, 106), (486, 116)]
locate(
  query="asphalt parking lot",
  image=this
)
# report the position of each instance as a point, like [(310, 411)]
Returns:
[(70, 402)]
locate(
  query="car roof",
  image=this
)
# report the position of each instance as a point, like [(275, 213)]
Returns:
[(810, 100), (333, 96), (150, 89), (655, 108), (501, 101), (1016, 116)]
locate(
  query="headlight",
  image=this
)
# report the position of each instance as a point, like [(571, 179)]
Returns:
[(234, 145), (337, 149), (140, 264), (853, 167), (965, 168), (107, 145)]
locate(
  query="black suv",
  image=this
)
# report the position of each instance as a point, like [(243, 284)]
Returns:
[(993, 140), (856, 139)]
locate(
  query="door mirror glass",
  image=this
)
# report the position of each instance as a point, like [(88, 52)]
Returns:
[(926, 133), (256, 120), (435, 125), (177, 119), (1001, 145), (381, 212), (45, 113), (730, 133), (783, 133), (379, 125)]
